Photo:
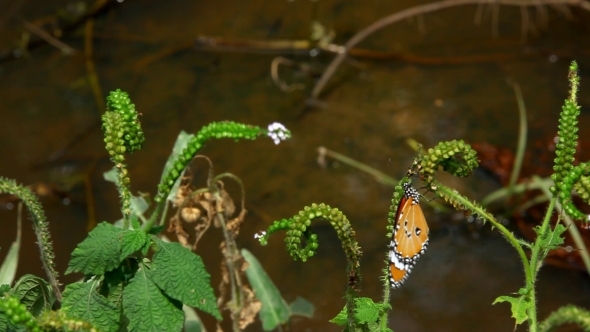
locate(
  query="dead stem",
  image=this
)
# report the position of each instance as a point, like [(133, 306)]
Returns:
[(49, 38), (420, 10), (274, 73), (230, 253), (90, 68)]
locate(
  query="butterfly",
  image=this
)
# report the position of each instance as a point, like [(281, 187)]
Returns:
[(410, 236)]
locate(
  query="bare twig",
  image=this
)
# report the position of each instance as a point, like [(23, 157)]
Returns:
[(274, 73), (421, 10), (49, 38), (90, 67)]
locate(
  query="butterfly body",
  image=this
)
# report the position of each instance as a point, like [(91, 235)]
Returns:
[(410, 237)]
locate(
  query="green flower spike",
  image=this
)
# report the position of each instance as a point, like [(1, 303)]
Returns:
[(41, 227), (226, 129), (17, 313), (298, 232), (455, 157), (567, 176), (567, 137), (122, 133)]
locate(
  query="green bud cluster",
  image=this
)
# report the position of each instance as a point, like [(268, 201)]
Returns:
[(398, 194), (113, 136), (59, 321), (122, 133), (565, 189), (455, 157), (118, 102), (226, 129), (582, 187), (279, 225), (567, 133), (18, 314), (298, 232)]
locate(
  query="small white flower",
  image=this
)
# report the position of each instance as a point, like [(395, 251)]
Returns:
[(277, 132), (259, 235)]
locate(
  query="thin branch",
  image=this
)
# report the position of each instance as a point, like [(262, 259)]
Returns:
[(421, 10), (66, 49)]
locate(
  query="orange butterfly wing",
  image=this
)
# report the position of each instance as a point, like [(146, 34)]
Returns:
[(410, 237)]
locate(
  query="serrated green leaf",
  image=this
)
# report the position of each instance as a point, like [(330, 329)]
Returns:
[(4, 289), (155, 230), (135, 224), (99, 252), (301, 307), (274, 310), (35, 293), (366, 312), (112, 285), (147, 308), (3, 322), (340, 319), (519, 306), (146, 247), (555, 238), (181, 274), (132, 241), (80, 300)]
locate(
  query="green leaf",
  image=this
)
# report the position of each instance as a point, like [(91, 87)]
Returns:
[(519, 306), (3, 322), (80, 300), (181, 274), (113, 281), (182, 141), (7, 325), (112, 176), (147, 308), (340, 319), (554, 238), (366, 312), (133, 240), (35, 293), (192, 321), (156, 229), (99, 252), (4, 289), (10, 263), (139, 205), (301, 307), (274, 310)]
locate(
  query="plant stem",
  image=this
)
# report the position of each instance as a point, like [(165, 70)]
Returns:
[(148, 225), (535, 265), (484, 214), (230, 253), (571, 226), (522, 133), (386, 294)]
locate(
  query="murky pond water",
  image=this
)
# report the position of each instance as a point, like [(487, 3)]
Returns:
[(368, 110)]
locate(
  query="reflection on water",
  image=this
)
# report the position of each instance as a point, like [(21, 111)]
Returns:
[(370, 108)]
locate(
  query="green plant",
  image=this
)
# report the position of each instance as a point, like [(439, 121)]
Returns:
[(125, 287), (459, 159)]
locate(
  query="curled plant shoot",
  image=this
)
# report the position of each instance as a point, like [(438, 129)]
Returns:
[(227, 129), (302, 244)]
